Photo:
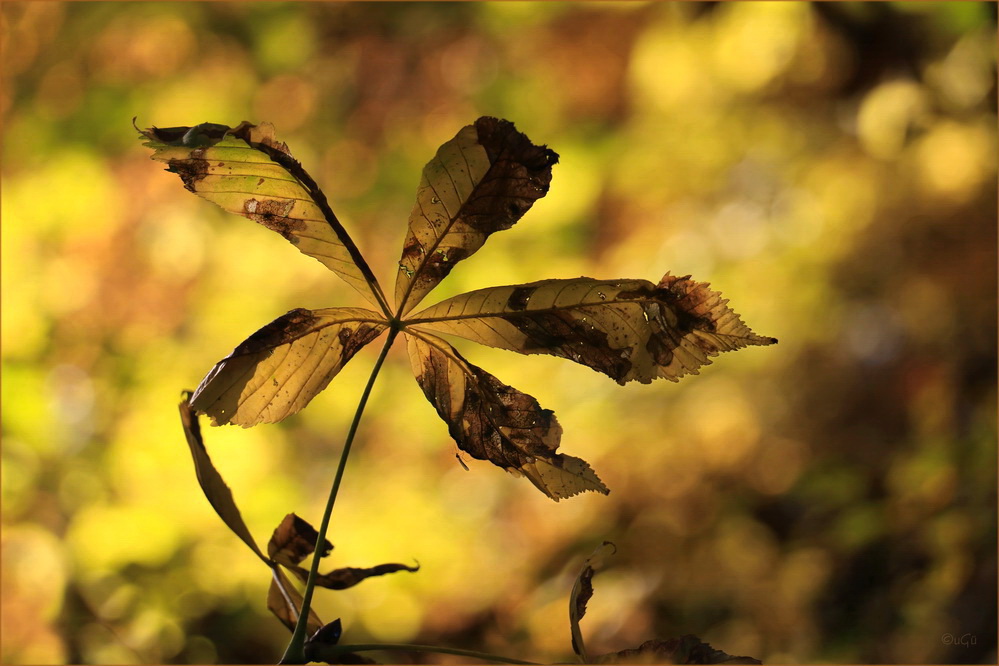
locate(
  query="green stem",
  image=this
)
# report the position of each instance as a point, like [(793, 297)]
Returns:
[(323, 652), (295, 652)]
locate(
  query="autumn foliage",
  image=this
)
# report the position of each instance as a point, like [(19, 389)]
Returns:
[(480, 182)]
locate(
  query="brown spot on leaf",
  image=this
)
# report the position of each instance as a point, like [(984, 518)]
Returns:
[(519, 298), (565, 333), (412, 251), (689, 315), (438, 265), (284, 329), (495, 422), (273, 214), (260, 137), (353, 338), (519, 175), (660, 350), (501, 139), (190, 170)]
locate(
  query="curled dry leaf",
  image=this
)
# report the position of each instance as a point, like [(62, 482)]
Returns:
[(492, 421), (294, 539), (582, 590), (481, 181)]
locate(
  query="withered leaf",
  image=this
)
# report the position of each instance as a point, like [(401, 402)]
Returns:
[(582, 590), (626, 329), (293, 540), (286, 603), (481, 181), (246, 171), (684, 650), (492, 421), (341, 579), (280, 368), (214, 487)]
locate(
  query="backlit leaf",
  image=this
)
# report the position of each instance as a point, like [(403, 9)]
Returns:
[(246, 171), (286, 603), (626, 329), (492, 421), (582, 590), (481, 181), (215, 489), (280, 368)]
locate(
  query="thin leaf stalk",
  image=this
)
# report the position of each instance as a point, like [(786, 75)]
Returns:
[(295, 652)]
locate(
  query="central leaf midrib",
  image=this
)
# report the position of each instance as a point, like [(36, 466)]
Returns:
[(339, 322), (297, 171), (515, 313)]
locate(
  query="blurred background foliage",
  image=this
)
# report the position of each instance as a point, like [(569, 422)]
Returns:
[(831, 168)]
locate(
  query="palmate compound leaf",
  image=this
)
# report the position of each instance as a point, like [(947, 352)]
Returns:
[(492, 421), (280, 368), (626, 329), (246, 171), (481, 181)]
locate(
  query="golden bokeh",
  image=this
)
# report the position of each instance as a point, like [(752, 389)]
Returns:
[(829, 167)]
